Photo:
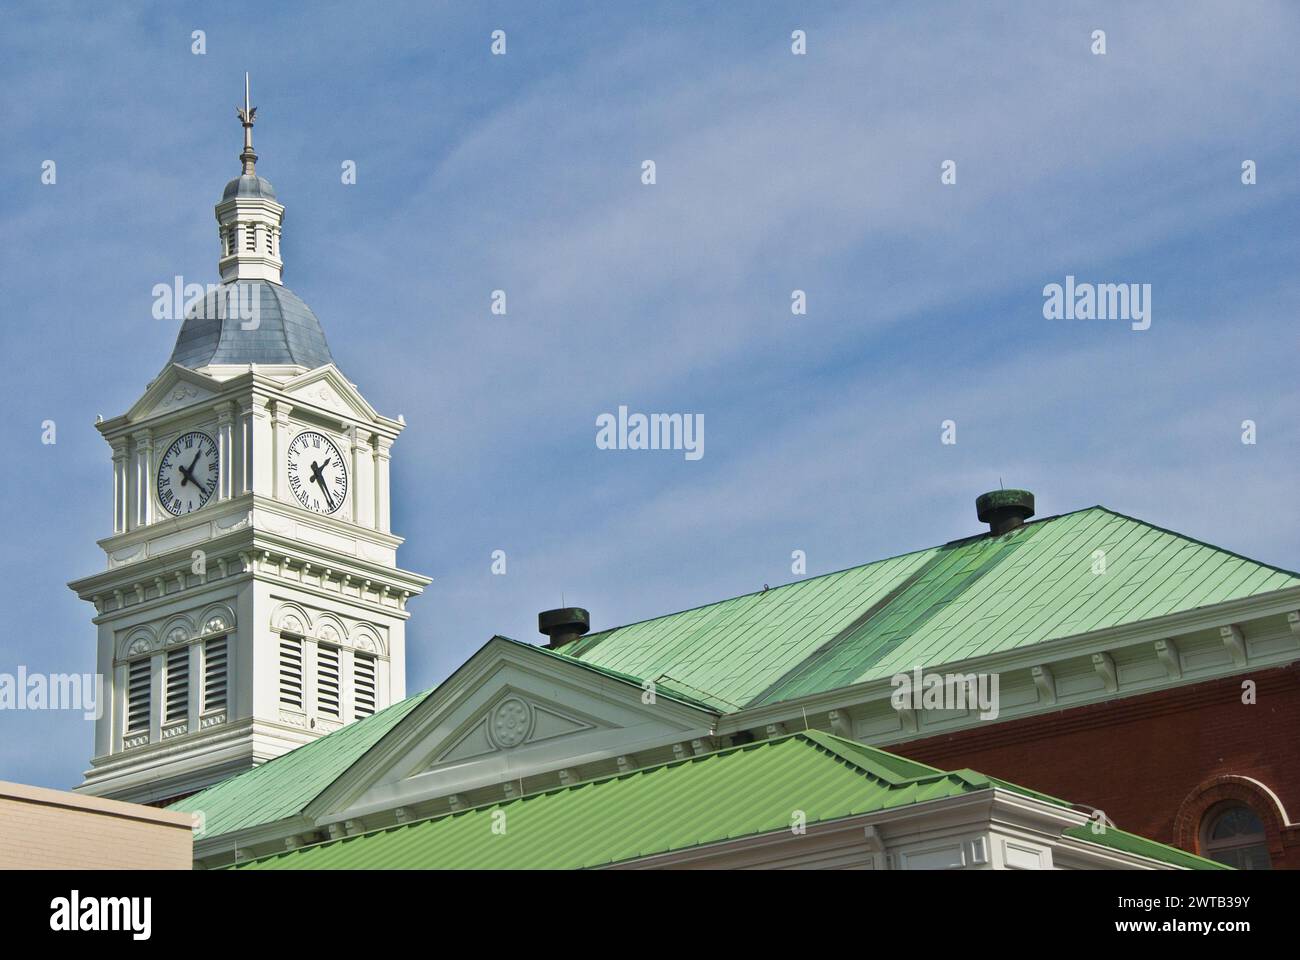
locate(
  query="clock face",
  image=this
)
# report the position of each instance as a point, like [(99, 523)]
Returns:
[(187, 475), (317, 474)]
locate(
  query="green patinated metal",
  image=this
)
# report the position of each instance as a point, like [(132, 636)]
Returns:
[(852, 653), (938, 606), (996, 499), (1132, 843), (672, 807)]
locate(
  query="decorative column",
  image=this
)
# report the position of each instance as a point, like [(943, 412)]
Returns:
[(347, 664), (144, 498), (256, 448), (225, 466), (121, 501), (258, 453), (197, 682), (157, 696), (363, 498), (382, 446), (242, 464), (115, 730), (310, 687), (280, 410)]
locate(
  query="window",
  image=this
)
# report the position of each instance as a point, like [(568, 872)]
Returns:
[(137, 696), (1235, 835), (230, 239), (364, 684), (214, 674), (178, 684), (270, 242), (291, 672), (327, 680), (250, 238)]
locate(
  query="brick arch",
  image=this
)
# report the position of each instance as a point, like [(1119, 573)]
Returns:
[(1231, 789)]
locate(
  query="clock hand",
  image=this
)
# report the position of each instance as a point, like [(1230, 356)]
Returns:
[(187, 474), (319, 478)]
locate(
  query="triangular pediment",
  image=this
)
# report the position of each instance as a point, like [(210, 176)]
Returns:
[(327, 389), (515, 719), (512, 712), (175, 388)]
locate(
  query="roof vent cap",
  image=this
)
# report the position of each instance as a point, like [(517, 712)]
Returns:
[(1004, 510), (563, 625)]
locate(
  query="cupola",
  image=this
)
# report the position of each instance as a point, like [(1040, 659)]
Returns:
[(248, 216)]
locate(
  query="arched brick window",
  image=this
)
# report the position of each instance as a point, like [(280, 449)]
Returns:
[(1233, 833), (1235, 820)]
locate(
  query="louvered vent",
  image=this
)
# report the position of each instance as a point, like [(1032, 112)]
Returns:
[(214, 674), (250, 238), (327, 680), (178, 684), (365, 684), (291, 672), (137, 696)]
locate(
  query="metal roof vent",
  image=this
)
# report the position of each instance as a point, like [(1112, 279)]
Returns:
[(1004, 510), (563, 625)]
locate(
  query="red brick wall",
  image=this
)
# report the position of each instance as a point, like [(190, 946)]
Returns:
[(1155, 763)]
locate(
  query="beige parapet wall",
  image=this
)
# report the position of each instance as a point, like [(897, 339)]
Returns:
[(44, 829)]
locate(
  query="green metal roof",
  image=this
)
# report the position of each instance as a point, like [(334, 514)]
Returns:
[(946, 604), (937, 606), (283, 787), (661, 809), (1132, 843)]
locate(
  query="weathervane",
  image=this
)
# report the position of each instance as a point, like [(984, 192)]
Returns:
[(247, 116)]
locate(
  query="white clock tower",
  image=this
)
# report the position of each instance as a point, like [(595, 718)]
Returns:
[(252, 599)]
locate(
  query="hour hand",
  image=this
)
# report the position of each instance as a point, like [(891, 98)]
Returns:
[(320, 479), (187, 473)]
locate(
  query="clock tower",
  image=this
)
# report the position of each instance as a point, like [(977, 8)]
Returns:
[(252, 599)]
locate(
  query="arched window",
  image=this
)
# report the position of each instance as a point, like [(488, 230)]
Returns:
[(1234, 834), (215, 662), (138, 681), (177, 685)]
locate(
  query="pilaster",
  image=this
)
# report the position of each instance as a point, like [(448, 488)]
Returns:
[(258, 453), (121, 482), (144, 480), (225, 452), (280, 410), (382, 457), (363, 473)]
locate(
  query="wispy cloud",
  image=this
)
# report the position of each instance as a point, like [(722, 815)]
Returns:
[(775, 172)]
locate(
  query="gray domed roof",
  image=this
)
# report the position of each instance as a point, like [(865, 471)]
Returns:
[(249, 185), (286, 330)]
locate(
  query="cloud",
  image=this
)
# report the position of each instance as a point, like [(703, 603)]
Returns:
[(775, 173)]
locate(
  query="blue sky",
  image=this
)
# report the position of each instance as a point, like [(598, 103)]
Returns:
[(775, 173)]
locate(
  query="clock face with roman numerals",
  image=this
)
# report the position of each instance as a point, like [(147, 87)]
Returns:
[(317, 474), (187, 475)]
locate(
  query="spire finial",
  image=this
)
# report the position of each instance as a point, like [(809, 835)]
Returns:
[(247, 116)]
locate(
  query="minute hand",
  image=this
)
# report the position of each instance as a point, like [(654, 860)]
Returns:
[(320, 479), (187, 473)]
